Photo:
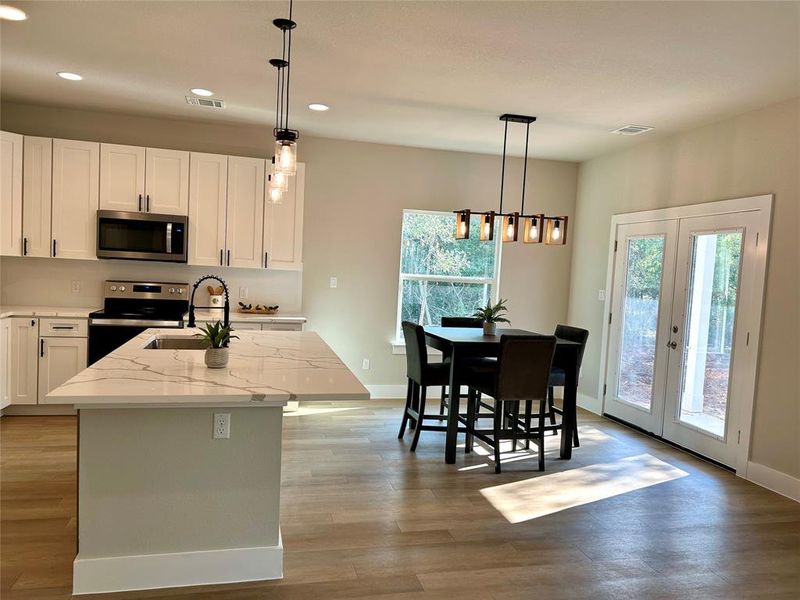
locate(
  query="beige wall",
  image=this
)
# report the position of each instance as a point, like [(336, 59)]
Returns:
[(355, 194), (755, 153)]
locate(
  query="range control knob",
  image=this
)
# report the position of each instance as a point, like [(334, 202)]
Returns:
[(181, 290), (122, 288), (171, 290), (113, 288)]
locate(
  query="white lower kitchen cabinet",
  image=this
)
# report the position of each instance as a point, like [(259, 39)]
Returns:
[(60, 359), (10, 194), (283, 226), (20, 336), (76, 177)]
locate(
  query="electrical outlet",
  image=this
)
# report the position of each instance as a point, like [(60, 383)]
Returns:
[(243, 293), (601, 295), (365, 364), (222, 426), (76, 287), (334, 282)]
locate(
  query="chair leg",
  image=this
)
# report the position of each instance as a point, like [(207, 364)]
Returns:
[(528, 411), (498, 422), (575, 441), (470, 421), (422, 393), (441, 404), (551, 398), (404, 422), (514, 419), (414, 404), (540, 439)]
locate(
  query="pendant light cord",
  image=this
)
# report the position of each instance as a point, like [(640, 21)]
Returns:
[(525, 169), (288, 69), (503, 168)]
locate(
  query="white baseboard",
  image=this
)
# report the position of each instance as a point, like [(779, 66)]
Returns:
[(180, 569), (779, 482), (590, 403)]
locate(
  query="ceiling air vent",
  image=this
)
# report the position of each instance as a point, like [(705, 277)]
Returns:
[(207, 102), (632, 130)]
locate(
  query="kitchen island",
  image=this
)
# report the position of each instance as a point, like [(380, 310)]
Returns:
[(161, 501)]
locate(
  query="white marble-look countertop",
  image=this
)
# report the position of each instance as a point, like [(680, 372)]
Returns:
[(45, 311), (201, 316), (266, 368)]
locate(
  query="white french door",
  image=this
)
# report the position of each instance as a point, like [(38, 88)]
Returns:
[(685, 307)]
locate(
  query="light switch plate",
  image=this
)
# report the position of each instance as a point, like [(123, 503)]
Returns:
[(365, 364), (334, 282), (75, 287), (243, 291), (601, 295)]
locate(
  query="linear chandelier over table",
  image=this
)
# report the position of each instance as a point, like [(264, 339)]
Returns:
[(536, 228)]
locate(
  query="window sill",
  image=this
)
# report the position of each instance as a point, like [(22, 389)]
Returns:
[(399, 347)]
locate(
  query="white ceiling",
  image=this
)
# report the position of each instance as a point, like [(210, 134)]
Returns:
[(430, 74)]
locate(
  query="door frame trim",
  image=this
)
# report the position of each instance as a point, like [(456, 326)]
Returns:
[(763, 204)]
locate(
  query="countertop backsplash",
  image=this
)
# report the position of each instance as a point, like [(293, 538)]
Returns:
[(45, 281)]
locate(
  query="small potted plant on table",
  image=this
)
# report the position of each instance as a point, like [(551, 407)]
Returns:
[(218, 338), (491, 316)]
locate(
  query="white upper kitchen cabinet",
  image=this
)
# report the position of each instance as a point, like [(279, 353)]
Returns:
[(166, 182), (20, 336), (76, 167), (208, 190), (37, 195), (245, 217), (283, 226), (60, 359), (10, 194), (122, 177)]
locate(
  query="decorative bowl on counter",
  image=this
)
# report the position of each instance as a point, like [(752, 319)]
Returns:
[(257, 309)]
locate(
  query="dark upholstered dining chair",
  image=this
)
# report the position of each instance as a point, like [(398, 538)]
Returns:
[(421, 374), (521, 374), (557, 376)]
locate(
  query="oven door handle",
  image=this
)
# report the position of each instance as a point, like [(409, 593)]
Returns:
[(136, 323)]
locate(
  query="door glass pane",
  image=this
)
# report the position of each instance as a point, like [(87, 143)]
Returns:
[(640, 320), (710, 315)]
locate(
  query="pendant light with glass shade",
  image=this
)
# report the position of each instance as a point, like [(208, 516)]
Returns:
[(284, 161), (535, 228)]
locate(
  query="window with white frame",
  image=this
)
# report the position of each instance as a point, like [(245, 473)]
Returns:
[(439, 275)]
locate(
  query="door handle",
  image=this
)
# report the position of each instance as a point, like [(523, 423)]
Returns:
[(229, 258), (140, 203), (672, 345)]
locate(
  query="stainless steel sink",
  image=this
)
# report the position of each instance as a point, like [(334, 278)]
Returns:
[(176, 343)]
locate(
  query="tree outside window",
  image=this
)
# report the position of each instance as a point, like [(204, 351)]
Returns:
[(439, 275)]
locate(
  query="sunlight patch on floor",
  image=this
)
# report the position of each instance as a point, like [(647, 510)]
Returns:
[(532, 498), (304, 411)]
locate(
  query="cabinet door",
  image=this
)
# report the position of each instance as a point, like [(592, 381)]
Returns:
[(246, 325), (21, 337), (37, 195), (10, 194), (60, 359), (5, 368), (167, 182), (207, 192), (121, 177), (76, 168), (282, 327), (244, 235), (283, 226)]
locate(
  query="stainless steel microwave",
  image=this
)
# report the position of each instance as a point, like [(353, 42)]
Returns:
[(141, 236)]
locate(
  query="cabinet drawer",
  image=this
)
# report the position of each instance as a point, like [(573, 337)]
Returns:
[(282, 327), (243, 325), (63, 327)]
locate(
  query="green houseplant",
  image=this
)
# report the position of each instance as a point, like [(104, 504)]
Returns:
[(491, 315), (218, 338)]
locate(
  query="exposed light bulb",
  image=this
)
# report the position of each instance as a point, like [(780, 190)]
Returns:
[(463, 227), (275, 195), (510, 229), (534, 229), (11, 13), (486, 229), (286, 157), (556, 233), (280, 180)]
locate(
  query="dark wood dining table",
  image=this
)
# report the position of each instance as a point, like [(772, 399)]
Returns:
[(459, 343)]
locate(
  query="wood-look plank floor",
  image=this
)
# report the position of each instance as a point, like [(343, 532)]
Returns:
[(363, 518)]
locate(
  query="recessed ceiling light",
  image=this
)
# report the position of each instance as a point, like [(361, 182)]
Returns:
[(202, 92), (68, 75), (318, 107), (11, 13)]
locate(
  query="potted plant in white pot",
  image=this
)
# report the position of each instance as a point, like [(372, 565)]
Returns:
[(491, 316), (218, 338)]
